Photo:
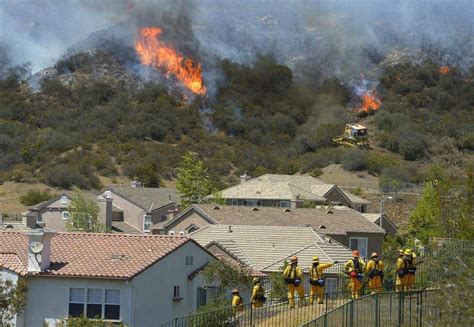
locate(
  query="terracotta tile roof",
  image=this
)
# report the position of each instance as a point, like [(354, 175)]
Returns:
[(91, 255), (12, 262), (338, 222)]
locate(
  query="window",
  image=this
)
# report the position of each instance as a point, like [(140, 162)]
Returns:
[(108, 194), (359, 243), (163, 218), (65, 215), (76, 302), (285, 204), (235, 202), (201, 296), (189, 260), (181, 233), (171, 232), (146, 223), (94, 303), (99, 303), (64, 199), (191, 228), (176, 291), (112, 304), (250, 203)]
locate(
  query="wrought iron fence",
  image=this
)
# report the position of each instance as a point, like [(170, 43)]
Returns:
[(408, 308), (270, 314)]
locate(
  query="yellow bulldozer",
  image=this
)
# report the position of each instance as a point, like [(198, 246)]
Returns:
[(355, 135)]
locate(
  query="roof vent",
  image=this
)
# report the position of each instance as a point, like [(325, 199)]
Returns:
[(216, 208), (254, 209), (230, 229), (322, 227), (329, 212), (117, 257), (287, 210)]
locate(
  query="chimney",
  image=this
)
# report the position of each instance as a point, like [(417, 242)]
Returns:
[(172, 213), (105, 207), (29, 219), (135, 183), (39, 249), (244, 178)]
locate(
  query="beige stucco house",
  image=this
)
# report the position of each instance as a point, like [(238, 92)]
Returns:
[(128, 209), (289, 191), (347, 226)]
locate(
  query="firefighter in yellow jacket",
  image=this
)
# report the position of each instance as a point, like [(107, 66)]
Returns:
[(409, 258), (400, 271), (258, 294), (355, 267), (316, 279), (237, 301), (374, 271), (293, 278)]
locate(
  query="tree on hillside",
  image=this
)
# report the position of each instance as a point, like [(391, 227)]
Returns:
[(12, 300), (84, 214), (424, 219), (193, 183)]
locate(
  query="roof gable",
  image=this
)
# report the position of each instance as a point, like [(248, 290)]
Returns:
[(147, 198)]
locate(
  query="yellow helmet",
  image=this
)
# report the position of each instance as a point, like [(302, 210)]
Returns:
[(401, 252), (256, 280), (408, 251), (315, 259)]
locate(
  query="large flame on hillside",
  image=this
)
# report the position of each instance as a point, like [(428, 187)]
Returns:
[(443, 70), (154, 52), (370, 101)]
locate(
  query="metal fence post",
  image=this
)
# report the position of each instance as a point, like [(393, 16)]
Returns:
[(377, 313), (351, 313), (400, 308)]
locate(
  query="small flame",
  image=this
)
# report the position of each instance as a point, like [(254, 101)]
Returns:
[(370, 101), (154, 52), (443, 70)]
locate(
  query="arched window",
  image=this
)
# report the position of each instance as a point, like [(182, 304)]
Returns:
[(191, 228)]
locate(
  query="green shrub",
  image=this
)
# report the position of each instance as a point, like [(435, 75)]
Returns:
[(376, 162), (354, 160), (32, 197), (67, 176), (412, 147)]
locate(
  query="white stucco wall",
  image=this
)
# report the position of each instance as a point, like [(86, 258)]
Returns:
[(153, 289), (48, 297)]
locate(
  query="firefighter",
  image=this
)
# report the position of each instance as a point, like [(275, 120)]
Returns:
[(237, 301), (258, 294), (409, 258), (316, 279), (293, 277), (355, 267), (374, 270), (400, 271)]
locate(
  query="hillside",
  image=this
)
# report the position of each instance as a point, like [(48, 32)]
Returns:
[(98, 119)]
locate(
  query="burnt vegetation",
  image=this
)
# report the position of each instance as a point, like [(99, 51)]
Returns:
[(69, 134)]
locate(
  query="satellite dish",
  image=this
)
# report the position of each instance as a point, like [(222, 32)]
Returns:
[(36, 247)]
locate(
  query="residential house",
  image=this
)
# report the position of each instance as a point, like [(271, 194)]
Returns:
[(141, 207), (347, 226), (138, 280), (126, 209), (272, 190), (382, 220), (266, 248)]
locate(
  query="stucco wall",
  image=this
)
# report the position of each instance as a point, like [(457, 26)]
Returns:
[(374, 241), (153, 289), (387, 226), (132, 214), (48, 298), (52, 215), (163, 211), (335, 196), (186, 221)]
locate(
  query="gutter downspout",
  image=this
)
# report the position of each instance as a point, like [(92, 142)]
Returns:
[(132, 315)]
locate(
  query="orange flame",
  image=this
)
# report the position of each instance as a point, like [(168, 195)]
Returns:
[(370, 101), (154, 52), (443, 70)]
